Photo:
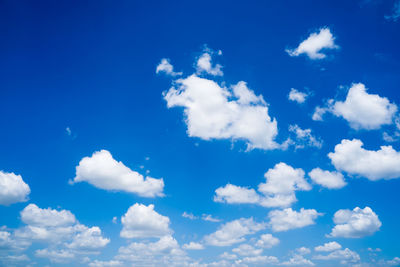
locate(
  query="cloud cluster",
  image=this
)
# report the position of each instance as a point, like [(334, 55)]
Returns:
[(166, 67), (297, 96), (314, 44), (12, 189), (287, 219), (355, 223), (103, 171), (331, 180)]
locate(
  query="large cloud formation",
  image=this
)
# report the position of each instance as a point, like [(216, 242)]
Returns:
[(12, 189), (104, 172)]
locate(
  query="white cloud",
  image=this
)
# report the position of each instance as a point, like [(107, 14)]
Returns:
[(193, 246), (303, 251), (363, 110), (267, 241), (104, 172), (345, 255), (331, 180), (88, 239), (204, 64), (189, 216), (97, 263), (304, 138), (298, 260), (327, 247), (57, 256), (215, 112), (356, 223), (394, 262), (287, 219), (209, 218), (166, 67), (247, 250), (233, 232), (351, 157), (281, 183), (319, 113), (12, 189), (278, 191), (35, 216), (297, 96), (314, 44), (141, 221), (233, 194), (257, 260)]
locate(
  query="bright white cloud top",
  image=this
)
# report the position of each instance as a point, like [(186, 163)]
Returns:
[(297, 96), (287, 219), (267, 241), (12, 189), (104, 172), (233, 232), (355, 223), (351, 157), (331, 180), (345, 256), (218, 112), (141, 221), (278, 191), (204, 64), (303, 138), (330, 246), (315, 44)]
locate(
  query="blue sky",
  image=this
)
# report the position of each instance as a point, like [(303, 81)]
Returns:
[(180, 133)]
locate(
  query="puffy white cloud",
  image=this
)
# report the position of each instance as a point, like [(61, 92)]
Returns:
[(228, 256), (281, 183), (278, 191), (351, 157), (141, 221), (166, 67), (330, 246), (319, 113), (304, 137), (193, 246), (345, 256), (363, 110), (267, 241), (287, 219), (12, 189), (247, 250), (355, 223), (57, 256), (88, 239), (35, 216), (298, 260), (331, 180), (303, 251), (314, 44), (233, 194), (297, 96), (233, 232), (104, 172), (8, 242), (215, 112), (204, 64)]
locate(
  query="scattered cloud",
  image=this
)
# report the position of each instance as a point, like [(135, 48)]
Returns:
[(209, 218), (315, 44), (193, 246), (395, 12), (297, 96), (327, 247), (141, 221), (166, 67), (298, 260), (304, 138), (355, 223), (247, 250), (287, 219), (351, 157), (233, 232), (12, 189), (204, 65), (267, 241), (331, 180), (104, 172), (189, 216), (345, 256)]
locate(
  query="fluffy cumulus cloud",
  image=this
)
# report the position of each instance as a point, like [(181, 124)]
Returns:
[(303, 138), (278, 191), (327, 247), (315, 44), (141, 221), (35, 216), (331, 180), (12, 189), (213, 111), (233, 232), (298, 260), (193, 246), (166, 67), (355, 223), (102, 171), (287, 219), (360, 109), (351, 157), (247, 250), (297, 96), (267, 241), (345, 256), (204, 65)]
